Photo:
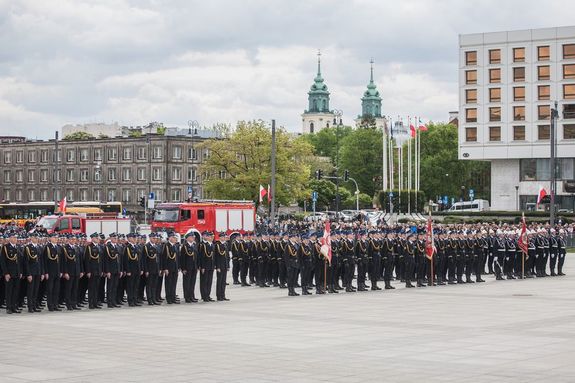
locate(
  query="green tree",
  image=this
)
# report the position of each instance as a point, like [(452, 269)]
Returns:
[(325, 141), (441, 171), (78, 136), (245, 156), (367, 122), (361, 153)]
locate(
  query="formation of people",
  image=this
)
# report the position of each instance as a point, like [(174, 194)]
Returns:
[(71, 271)]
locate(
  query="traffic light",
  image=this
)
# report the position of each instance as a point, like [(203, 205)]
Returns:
[(142, 201), (318, 174), (346, 175)]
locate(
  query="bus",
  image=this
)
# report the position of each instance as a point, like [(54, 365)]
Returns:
[(24, 211), (475, 205)]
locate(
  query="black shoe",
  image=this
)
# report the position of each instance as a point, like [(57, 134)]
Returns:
[(194, 300), (480, 280), (76, 308)]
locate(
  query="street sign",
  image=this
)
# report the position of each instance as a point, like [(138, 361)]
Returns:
[(390, 194), (314, 196), (445, 200), (151, 196), (471, 193), (151, 203)]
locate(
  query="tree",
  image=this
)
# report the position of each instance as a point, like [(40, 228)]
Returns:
[(361, 153), (245, 156), (78, 136), (367, 122), (441, 171), (324, 142)]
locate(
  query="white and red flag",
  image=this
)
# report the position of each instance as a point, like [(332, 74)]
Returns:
[(523, 242), (62, 206), (263, 193), (422, 126), (269, 194), (326, 242), (429, 240), (541, 195)]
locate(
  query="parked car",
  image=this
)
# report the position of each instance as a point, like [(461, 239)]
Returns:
[(314, 217)]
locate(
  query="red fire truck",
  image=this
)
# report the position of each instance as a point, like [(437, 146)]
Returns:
[(206, 215), (104, 223)]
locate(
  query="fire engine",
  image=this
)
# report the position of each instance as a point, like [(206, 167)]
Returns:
[(105, 223), (232, 217)]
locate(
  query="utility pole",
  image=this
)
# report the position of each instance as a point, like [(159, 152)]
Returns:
[(338, 124), (553, 170), (273, 191)]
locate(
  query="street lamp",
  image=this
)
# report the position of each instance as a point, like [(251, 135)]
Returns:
[(517, 196), (192, 125), (462, 193), (337, 116)]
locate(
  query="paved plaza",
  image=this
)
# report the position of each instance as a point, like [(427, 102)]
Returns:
[(509, 331)]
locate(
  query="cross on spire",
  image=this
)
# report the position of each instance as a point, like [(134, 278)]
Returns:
[(318, 62), (371, 62)]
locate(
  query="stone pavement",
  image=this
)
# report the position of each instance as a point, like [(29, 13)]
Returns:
[(508, 331)]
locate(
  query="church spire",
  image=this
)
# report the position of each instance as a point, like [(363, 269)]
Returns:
[(371, 77), (318, 63), (371, 100)]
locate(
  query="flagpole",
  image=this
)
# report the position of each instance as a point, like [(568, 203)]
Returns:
[(409, 170), (523, 252), (384, 156)]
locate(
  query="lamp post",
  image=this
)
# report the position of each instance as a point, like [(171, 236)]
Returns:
[(517, 196), (553, 139), (192, 132), (462, 193), (337, 116)]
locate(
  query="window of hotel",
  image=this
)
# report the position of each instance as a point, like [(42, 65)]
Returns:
[(44, 175), (19, 176), (471, 58), (84, 175), (519, 93), (569, 91), (471, 134), (142, 153), (494, 75), (471, 77), (543, 132), (543, 72), (157, 174), (494, 94), (127, 154), (97, 154), (471, 115), (111, 195), (519, 133), (126, 174), (141, 174), (495, 114), (44, 156), (7, 157), (31, 176), (494, 56), (176, 195), (70, 155), (157, 152), (69, 175), (568, 111), (518, 113), (83, 155), (112, 174), (193, 177), (518, 54), (19, 157), (494, 133), (112, 154), (543, 92), (192, 154), (537, 169), (7, 178), (543, 112), (569, 132), (126, 195), (568, 71), (32, 156), (569, 51), (176, 174), (519, 74), (471, 96), (543, 53)]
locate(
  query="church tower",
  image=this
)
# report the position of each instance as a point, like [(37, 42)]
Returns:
[(318, 115), (371, 105)]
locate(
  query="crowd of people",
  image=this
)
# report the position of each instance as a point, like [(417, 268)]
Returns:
[(60, 271)]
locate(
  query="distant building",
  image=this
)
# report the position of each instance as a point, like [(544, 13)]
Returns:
[(508, 82), (107, 169), (11, 139), (453, 118), (318, 115), (371, 105)]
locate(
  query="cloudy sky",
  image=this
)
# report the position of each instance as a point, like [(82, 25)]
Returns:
[(136, 61)]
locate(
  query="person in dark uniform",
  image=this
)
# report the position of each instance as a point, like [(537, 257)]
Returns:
[(12, 272), (244, 259), (221, 260), (33, 272), (151, 266), (132, 268), (292, 263), (348, 256), (562, 251), (111, 269), (93, 269), (305, 261), (361, 254), (388, 254), (282, 268), (409, 260), (236, 259), (511, 246), (320, 263), (72, 272), (169, 261), (189, 266), (262, 249), (52, 267), (374, 254), (499, 250), (206, 263)]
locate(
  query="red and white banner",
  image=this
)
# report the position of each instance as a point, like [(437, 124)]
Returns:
[(422, 126), (263, 193), (326, 242), (542, 193), (429, 240), (523, 242), (62, 206), (269, 194)]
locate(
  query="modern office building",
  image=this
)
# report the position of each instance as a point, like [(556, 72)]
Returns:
[(508, 83), (107, 169)]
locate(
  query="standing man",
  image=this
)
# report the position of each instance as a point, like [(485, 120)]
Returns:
[(221, 264), (53, 272), (169, 261), (93, 269), (73, 271), (206, 258), (133, 270), (12, 272), (292, 263), (151, 264), (111, 269), (189, 266), (33, 272)]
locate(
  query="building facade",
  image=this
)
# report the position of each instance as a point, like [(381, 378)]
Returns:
[(111, 169), (508, 83), (318, 115)]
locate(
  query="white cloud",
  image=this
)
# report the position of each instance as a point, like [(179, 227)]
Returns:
[(134, 61)]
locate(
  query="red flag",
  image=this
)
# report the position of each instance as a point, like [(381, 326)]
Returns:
[(413, 131), (542, 193), (523, 242), (326, 242), (62, 206), (429, 240), (263, 193), (269, 194), (422, 126)]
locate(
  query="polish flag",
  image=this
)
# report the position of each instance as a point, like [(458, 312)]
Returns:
[(326, 242), (542, 193), (429, 240), (523, 242), (422, 126), (62, 206), (263, 193), (269, 194), (413, 131)]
